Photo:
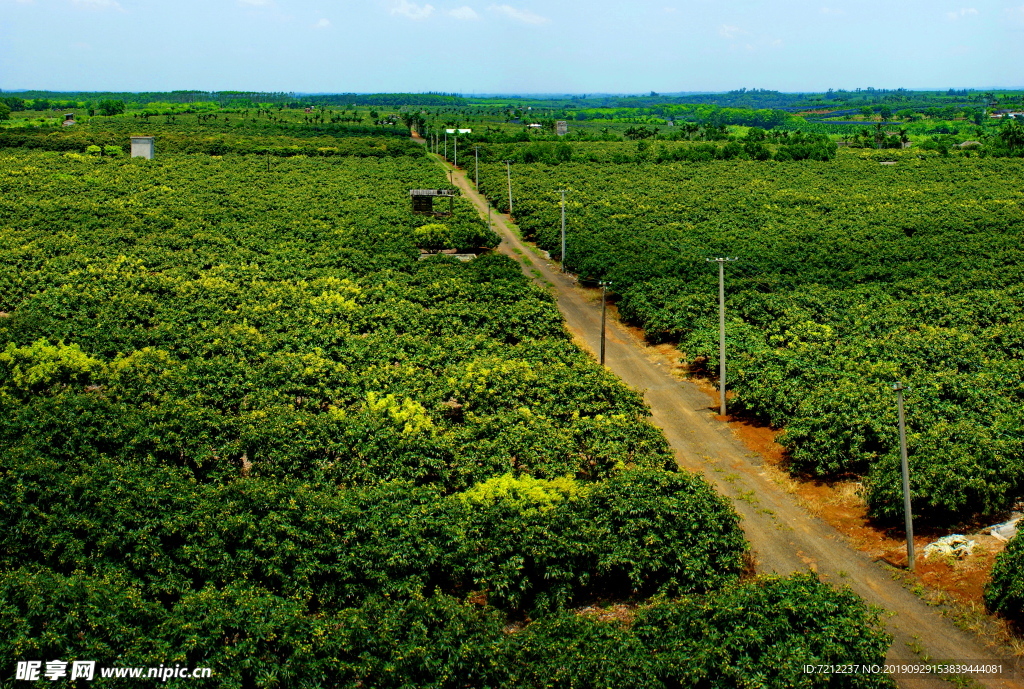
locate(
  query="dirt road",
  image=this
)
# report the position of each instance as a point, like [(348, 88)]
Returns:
[(784, 537)]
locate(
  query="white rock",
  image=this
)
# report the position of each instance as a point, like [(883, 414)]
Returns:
[(955, 545)]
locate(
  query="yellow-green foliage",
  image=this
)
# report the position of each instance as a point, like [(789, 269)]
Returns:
[(803, 334), (492, 377), (142, 368), (336, 297), (405, 412), (524, 493), (42, 365), (433, 236)]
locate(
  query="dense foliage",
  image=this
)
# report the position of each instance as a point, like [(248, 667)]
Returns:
[(942, 122), (244, 425), (1005, 592), (226, 319), (852, 275), (324, 140), (530, 544), (690, 145), (71, 99), (756, 634)]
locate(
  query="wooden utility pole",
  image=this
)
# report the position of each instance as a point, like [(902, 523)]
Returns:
[(562, 192), (604, 306), (721, 328), (908, 517), (508, 168)]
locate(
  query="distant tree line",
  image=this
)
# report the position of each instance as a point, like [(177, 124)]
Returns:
[(44, 100)]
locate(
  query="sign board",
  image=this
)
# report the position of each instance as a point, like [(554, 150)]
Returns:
[(561, 127), (459, 131)]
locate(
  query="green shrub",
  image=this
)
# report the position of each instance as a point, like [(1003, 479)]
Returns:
[(759, 633), (528, 544), (1004, 594), (635, 534), (433, 236)]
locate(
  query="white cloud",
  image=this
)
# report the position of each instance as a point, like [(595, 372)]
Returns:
[(524, 16), (255, 3), (833, 11), (730, 32), (1016, 13), (962, 12), (411, 9), (99, 4), (751, 41), (465, 13), (322, 24)]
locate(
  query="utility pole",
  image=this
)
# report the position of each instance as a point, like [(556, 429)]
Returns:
[(476, 168), (508, 168), (563, 229), (908, 516), (721, 327), (604, 305), (456, 149), (446, 144)]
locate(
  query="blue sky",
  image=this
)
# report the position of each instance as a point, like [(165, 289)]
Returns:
[(471, 46)]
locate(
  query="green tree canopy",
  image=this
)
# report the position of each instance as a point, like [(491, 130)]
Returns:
[(1012, 134), (433, 236), (111, 107)]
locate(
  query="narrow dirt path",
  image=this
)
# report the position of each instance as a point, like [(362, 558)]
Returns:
[(784, 537)]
